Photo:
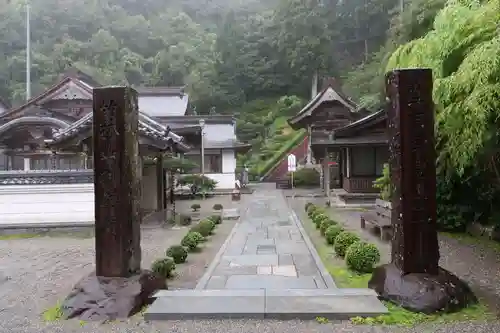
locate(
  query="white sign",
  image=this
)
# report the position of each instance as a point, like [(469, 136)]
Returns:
[(292, 163)]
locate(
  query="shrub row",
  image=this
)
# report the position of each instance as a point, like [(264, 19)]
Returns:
[(359, 256), (177, 254), (196, 206)]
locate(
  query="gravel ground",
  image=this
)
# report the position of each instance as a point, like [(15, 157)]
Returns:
[(43, 270)]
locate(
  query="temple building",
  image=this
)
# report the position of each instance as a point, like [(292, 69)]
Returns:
[(63, 113), (348, 142)]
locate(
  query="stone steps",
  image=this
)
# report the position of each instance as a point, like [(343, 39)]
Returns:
[(304, 304)]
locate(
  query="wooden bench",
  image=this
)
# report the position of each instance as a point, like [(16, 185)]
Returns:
[(380, 219)]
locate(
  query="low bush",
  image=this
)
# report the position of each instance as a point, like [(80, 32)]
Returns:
[(318, 219), (204, 227), (332, 232), (325, 224), (306, 177), (178, 253), (343, 241), (184, 219), (217, 207), (308, 206), (195, 207), (217, 219), (362, 257), (198, 237), (191, 240), (163, 267)]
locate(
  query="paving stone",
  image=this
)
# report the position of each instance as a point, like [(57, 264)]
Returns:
[(216, 282), (207, 304), (269, 282), (305, 264), (291, 247), (285, 259), (330, 304), (288, 270), (264, 270), (253, 260), (266, 249), (234, 270)]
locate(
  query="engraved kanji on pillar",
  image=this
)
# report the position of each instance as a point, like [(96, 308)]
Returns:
[(412, 159), (117, 181)]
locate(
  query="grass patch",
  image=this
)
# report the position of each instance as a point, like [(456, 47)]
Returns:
[(18, 236), (53, 314), (344, 278)]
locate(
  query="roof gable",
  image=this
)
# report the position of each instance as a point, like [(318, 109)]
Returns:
[(328, 94)]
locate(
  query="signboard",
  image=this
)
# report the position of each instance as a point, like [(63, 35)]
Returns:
[(292, 163)]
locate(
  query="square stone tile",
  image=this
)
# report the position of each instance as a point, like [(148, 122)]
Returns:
[(264, 270), (288, 270), (216, 282), (253, 260), (270, 282), (285, 259), (266, 249)]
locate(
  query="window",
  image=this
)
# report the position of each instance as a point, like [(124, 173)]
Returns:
[(368, 161), (40, 163), (213, 163), (70, 162), (4, 162)]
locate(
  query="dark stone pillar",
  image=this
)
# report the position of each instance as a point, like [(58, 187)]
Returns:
[(412, 159), (117, 182), (413, 279), (118, 288)]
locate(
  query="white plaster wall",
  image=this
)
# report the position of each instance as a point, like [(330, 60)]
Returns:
[(149, 194), (68, 203), (219, 132), (226, 179)]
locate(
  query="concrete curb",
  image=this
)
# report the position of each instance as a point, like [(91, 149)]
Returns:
[(325, 275)]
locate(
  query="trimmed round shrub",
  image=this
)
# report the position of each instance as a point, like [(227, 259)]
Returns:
[(191, 240), (217, 207), (319, 219), (204, 227), (198, 237), (184, 219), (195, 207), (362, 257), (163, 267), (325, 224), (217, 219), (343, 241), (308, 206), (316, 213), (332, 232), (178, 253)]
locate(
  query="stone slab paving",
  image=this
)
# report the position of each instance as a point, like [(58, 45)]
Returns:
[(267, 268)]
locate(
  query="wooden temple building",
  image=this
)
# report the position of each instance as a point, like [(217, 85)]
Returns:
[(47, 141), (348, 142)]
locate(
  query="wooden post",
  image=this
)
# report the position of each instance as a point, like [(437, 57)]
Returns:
[(160, 189), (412, 157), (117, 182)]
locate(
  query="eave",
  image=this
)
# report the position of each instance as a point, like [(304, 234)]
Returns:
[(359, 125)]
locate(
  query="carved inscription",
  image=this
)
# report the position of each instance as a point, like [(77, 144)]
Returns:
[(412, 166), (116, 182)]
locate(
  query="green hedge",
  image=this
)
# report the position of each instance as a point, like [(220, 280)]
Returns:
[(280, 154)]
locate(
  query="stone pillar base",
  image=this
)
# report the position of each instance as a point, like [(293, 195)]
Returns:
[(108, 298), (420, 292)]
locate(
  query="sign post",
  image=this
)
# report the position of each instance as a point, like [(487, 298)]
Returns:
[(292, 165)]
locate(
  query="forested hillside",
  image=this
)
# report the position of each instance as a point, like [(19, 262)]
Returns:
[(256, 59)]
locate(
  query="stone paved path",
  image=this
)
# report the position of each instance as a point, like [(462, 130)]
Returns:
[(266, 250)]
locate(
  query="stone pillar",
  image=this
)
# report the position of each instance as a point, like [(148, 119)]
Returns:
[(160, 188), (348, 162), (412, 159), (413, 279), (27, 164), (326, 174), (117, 182)]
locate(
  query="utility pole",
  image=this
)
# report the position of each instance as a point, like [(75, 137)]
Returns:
[(28, 53)]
